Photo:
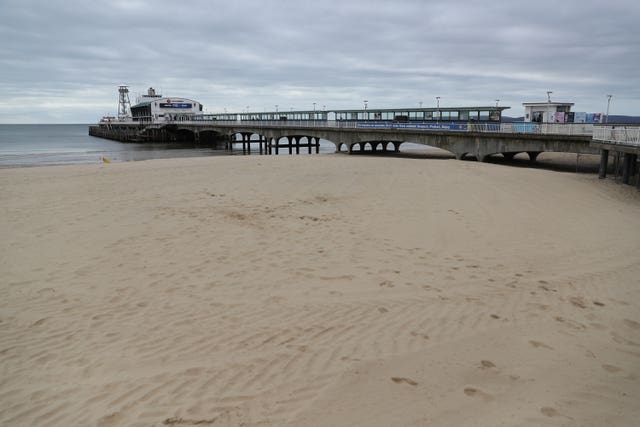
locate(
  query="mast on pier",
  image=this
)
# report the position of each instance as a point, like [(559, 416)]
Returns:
[(124, 105)]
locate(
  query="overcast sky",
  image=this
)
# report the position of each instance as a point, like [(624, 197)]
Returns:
[(62, 60)]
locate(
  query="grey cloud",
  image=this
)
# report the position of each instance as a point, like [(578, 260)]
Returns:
[(335, 53)]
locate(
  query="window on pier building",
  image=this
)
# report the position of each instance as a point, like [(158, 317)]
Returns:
[(454, 115), (484, 115)]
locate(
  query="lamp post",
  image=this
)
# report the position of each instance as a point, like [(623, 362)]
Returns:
[(276, 108), (497, 101), (549, 118), (314, 106), (420, 104), (438, 101), (606, 117)]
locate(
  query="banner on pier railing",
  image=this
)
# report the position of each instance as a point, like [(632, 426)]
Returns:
[(430, 126)]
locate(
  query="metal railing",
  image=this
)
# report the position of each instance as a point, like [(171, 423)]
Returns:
[(578, 129), (619, 135)]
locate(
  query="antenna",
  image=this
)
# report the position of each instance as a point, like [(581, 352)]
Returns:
[(124, 105)]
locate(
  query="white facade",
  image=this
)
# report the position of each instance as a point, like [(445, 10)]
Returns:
[(545, 112), (156, 108)]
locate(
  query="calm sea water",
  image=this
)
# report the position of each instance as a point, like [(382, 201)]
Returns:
[(38, 145)]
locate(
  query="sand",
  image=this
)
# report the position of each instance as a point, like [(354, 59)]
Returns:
[(324, 290)]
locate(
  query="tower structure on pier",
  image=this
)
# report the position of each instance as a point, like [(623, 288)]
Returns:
[(124, 105)]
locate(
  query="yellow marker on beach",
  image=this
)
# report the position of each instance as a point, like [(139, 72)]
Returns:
[(106, 160)]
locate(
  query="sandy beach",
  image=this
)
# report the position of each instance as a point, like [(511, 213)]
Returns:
[(325, 290)]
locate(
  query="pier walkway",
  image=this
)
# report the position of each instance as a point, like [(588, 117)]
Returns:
[(479, 140)]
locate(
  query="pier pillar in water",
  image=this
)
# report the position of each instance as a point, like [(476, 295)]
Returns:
[(604, 161)]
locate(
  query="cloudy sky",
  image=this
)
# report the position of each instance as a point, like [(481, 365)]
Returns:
[(62, 60)]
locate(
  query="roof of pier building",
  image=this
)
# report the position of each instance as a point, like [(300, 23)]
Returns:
[(425, 109), (547, 104)]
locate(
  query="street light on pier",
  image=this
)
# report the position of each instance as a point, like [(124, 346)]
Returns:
[(276, 108), (549, 95), (365, 104), (437, 101), (314, 106), (497, 101), (606, 117), (420, 104)]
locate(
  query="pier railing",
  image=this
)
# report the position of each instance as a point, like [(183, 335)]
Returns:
[(580, 129), (618, 135)]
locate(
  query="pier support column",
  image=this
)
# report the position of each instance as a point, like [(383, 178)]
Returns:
[(604, 161), (633, 165), (626, 168), (533, 155)]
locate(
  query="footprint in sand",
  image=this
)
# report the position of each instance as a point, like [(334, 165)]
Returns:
[(474, 392), (399, 380), (578, 302), (631, 323), (553, 412), (417, 334), (538, 344), (549, 411), (611, 369), (486, 364)]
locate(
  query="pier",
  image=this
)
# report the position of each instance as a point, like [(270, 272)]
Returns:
[(479, 140), (463, 140), (623, 142)]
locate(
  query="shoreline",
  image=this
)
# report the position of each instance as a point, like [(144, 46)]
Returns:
[(318, 290)]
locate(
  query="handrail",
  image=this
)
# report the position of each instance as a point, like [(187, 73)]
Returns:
[(619, 135), (579, 129)]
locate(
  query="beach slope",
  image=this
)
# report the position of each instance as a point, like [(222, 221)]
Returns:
[(322, 290)]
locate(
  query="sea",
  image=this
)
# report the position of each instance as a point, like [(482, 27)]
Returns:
[(64, 144)]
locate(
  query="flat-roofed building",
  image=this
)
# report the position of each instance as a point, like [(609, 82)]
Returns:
[(546, 112)]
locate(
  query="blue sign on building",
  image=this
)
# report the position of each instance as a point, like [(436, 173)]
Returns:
[(175, 105), (429, 126)]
